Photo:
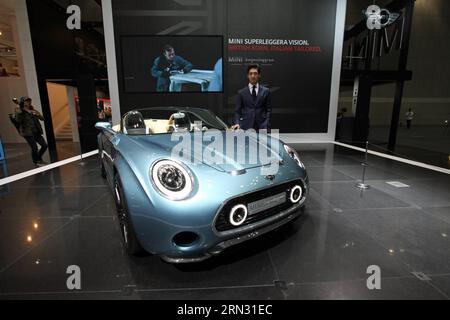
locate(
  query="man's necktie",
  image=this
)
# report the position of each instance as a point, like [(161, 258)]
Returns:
[(254, 93)]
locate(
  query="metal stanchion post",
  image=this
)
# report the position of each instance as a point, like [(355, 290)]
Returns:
[(362, 185), (82, 163)]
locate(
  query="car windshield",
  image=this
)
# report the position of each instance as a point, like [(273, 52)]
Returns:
[(163, 120)]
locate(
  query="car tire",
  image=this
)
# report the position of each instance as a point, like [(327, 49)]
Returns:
[(129, 238)]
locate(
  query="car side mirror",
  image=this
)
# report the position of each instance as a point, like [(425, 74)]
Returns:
[(103, 126)]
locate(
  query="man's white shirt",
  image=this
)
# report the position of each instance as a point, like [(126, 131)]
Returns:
[(250, 87)]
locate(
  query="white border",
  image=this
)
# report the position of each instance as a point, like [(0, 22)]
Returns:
[(387, 156), (50, 166)]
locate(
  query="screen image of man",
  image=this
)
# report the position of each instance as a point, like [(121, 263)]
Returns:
[(167, 64), (253, 103)]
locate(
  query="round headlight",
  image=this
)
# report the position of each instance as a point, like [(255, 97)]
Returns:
[(294, 155), (172, 179)]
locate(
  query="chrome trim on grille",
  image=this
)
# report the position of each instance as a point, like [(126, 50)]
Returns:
[(257, 224)]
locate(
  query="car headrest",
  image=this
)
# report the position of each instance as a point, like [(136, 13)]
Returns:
[(179, 121), (134, 121)]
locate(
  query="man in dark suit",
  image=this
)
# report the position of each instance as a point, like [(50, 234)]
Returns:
[(253, 104)]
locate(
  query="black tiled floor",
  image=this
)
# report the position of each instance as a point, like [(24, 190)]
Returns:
[(414, 236), (324, 246), (442, 283), (14, 233), (441, 213), (323, 255), (372, 173), (18, 156), (50, 201), (420, 193), (322, 174), (406, 288), (269, 292), (344, 195), (90, 243)]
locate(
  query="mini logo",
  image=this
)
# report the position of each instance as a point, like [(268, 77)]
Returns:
[(377, 18), (270, 177)]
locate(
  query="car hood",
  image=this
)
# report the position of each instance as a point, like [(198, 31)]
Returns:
[(214, 154)]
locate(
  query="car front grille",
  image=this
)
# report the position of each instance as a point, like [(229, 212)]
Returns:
[(222, 222)]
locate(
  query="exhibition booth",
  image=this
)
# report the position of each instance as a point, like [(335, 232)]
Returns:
[(220, 150)]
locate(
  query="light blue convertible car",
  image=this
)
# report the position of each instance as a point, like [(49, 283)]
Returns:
[(187, 187)]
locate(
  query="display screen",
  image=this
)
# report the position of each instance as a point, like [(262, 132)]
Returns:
[(172, 64)]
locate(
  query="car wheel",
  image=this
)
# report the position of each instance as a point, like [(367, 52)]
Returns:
[(129, 239)]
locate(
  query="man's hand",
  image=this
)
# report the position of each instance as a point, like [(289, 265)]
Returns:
[(235, 127)]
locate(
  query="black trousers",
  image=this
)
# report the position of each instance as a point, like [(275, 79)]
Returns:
[(408, 124), (33, 141), (257, 128)]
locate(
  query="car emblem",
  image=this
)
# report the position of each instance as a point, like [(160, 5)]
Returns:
[(270, 177)]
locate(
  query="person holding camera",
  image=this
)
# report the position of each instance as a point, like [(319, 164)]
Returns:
[(30, 128)]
